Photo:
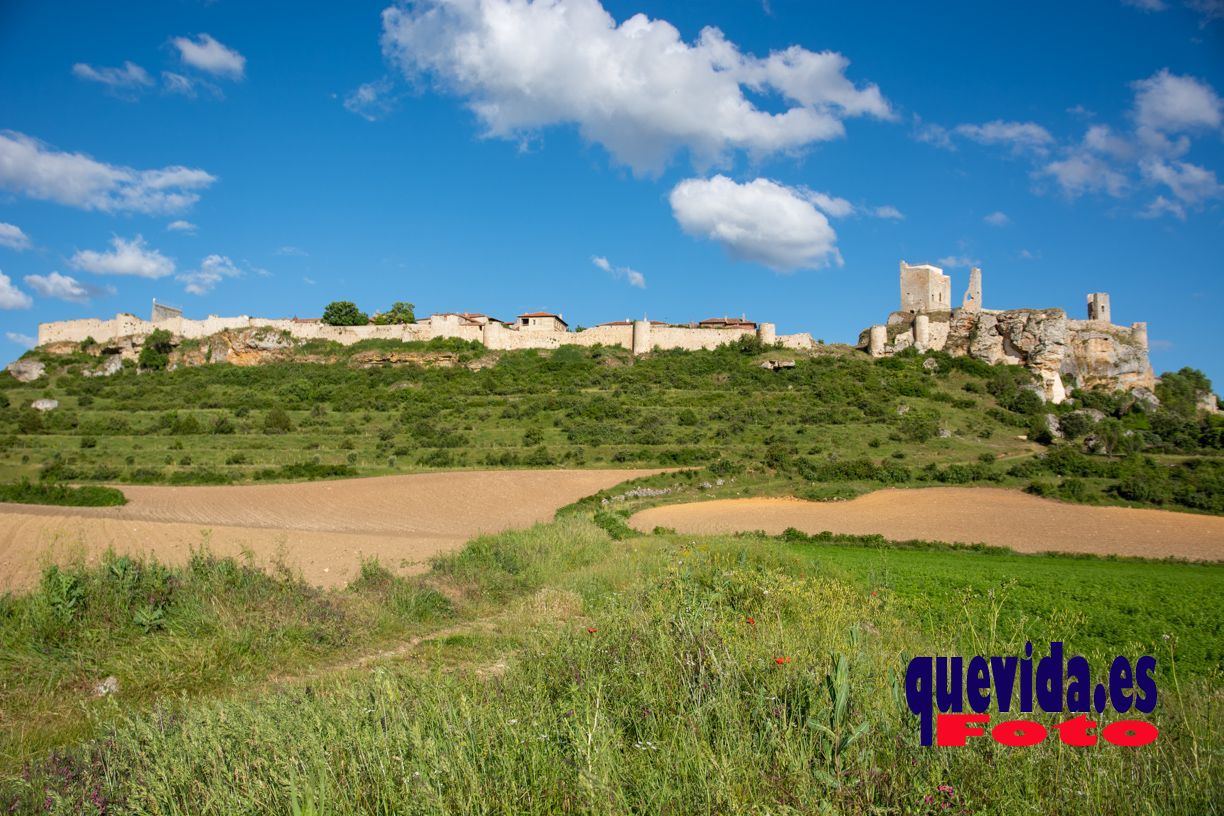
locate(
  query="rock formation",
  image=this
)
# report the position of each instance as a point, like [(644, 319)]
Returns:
[(1062, 352)]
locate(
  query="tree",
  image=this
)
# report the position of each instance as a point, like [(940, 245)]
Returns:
[(399, 313), (155, 355), (1179, 391), (344, 313)]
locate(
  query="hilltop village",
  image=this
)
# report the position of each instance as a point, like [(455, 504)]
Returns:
[(1061, 351)]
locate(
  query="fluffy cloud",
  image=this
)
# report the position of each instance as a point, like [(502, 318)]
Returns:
[(635, 88), (997, 219), (1166, 103), (12, 237), (28, 166), (1019, 136), (21, 339), (210, 56), (1188, 182), (125, 258), (890, 212), (957, 261), (63, 287), (371, 100), (1163, 206), (1081, 173), (11, 297), (129, 79), (212, 271), (181, 226), (634, 277), (760, 221)]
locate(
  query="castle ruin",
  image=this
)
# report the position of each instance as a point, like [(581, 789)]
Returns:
[(1061, 351)]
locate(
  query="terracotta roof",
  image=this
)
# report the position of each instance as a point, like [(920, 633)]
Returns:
[(727, 321), (631, 322)]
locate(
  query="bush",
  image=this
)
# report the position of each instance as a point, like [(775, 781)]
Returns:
[(24, 492), (277, 421), (399, 313)]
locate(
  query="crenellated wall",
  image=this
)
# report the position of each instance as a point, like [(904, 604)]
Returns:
[(640, 337)]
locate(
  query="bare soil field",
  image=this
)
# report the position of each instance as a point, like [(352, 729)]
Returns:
[(967, 515), (323, 529)]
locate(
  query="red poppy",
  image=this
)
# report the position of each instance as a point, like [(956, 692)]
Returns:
[(591, 630), (782, 660), (874, 593), (751, 621)]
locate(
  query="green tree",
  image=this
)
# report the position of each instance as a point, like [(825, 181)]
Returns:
[(399, 313), (155, 355), (344, 313), (1179, 391)]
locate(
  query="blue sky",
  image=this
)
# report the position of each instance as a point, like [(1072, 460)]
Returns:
[(769, 158)]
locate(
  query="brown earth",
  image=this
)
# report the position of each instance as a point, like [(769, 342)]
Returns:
[(968, 515), (323, 529)]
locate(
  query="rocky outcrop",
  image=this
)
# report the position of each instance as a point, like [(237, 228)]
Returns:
[(26, 370), (44, 404), (111, 364), (1062, 353)]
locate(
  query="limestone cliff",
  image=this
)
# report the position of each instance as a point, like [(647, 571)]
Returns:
[(1062, 353)]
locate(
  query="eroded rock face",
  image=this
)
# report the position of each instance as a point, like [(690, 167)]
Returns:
[(1062, 353), (111, 364), (26, 370), (44, 404)]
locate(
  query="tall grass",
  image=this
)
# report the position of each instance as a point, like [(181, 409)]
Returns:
[(679, 675)]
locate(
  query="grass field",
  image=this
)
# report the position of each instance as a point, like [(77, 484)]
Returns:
[(569, 669), (835, 424)]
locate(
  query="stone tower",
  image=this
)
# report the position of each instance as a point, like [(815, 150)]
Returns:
[(973, 295), (1098, 307), (925, 288)]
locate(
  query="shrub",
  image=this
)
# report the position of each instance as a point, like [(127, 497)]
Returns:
[(277, 421), (399, 313)]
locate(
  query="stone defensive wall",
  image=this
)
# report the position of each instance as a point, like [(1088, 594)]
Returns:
[(640, 336)]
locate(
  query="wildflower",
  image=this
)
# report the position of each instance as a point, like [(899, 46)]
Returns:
[(591, 630), (751, 621), (782, 660), (874, 593)]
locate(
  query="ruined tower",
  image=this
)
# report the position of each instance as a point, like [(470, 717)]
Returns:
[(973, 295), (925, 288), (1098, 307)]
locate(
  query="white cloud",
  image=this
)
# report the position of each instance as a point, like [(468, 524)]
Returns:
[(1146, 5), (633, 277), (178, 84), (126, 258), (21, 339), (831, 206), (1019, 136), (210, 56), (129, 79), (890, 212), (635, 88), (1188, 182), (997, 219), (1166, 103), (212, 271), (955, 261), (182, 226), (1081, 173), (291, 251), (1162, 206), (63, 287), (11, 297), (760, 221), (371, 100), (28, 166), (12, 237)]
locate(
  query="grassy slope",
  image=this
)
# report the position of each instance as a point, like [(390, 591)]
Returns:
[(675, 703)]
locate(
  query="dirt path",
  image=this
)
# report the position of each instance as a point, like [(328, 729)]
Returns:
[(321, 528), (995, 516)]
